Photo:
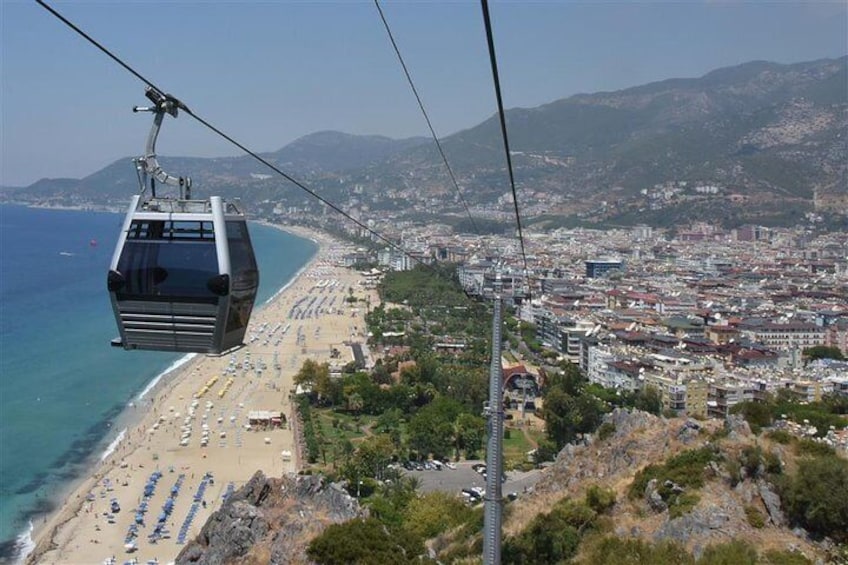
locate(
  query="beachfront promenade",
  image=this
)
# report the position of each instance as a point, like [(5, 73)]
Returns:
[(194, 444)]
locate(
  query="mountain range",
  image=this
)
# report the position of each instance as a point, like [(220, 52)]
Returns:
[(755, 142)]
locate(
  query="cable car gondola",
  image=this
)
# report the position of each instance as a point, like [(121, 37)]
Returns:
[(183, 276)]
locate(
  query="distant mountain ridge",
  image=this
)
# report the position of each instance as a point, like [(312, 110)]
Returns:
[(746, 142), (757, 127)]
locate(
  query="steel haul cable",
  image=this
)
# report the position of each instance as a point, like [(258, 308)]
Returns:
[(426, 117), (227, 137)]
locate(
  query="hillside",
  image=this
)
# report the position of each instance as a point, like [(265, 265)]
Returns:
[(763, 130), (721, 500), (760, 141)]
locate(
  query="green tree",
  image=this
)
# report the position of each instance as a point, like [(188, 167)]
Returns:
[(649, 399), (317, 376), (431, 429), (816, 496), (363, 542), (389, 504), (823, 352), (588, 414), (557, 411), (371, 457), (469, 431), (758, 414), (355, 402)]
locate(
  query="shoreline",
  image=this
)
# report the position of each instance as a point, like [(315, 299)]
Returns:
[(53, 536)]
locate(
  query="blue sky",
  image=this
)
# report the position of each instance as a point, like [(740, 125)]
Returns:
[(269, 72)]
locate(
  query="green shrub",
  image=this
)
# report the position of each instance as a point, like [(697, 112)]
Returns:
[(734, 469), (600, 499), (719, 434), (734, 552), (433, 513), (755, 517), (682, 503), (811, 447), (553, 537), (540, 543), (686, 469), (780, 436), (757, 414), (816, 496), (605, 430), (362, 541), (772, 463), (621, 551), (751, 458)]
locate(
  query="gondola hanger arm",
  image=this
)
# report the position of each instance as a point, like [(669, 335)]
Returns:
[(149, 164)]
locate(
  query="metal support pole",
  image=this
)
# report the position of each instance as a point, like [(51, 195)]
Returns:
[(494, 467)]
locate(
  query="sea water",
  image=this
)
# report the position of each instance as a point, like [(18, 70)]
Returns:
[(62, 386)]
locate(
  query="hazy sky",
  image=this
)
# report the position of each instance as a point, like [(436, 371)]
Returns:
[(269, 72)]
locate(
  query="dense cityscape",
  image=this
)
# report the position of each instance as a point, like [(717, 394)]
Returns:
[(710, 317)]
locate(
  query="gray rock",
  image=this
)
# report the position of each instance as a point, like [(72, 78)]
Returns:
[(675, 488), (772, 503), (777, 451), (745, 491), (800, 532), (697, 551), (252, 516), (699, 522), (653, 497), (737, 426), (689, 432), (687, 435), (627, 421)]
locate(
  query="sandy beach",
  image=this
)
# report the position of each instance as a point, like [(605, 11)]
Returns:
[(194, 442)]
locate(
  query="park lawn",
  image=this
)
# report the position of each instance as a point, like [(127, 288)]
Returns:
[(348, 426), (516, 447)]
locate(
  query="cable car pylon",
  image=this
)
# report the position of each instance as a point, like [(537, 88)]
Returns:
[(493, 501)]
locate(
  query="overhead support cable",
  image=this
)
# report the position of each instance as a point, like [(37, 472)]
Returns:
[(502, 116), (426, 117), (225, 136)]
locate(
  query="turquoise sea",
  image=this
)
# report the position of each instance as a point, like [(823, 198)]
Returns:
[(62, 387)]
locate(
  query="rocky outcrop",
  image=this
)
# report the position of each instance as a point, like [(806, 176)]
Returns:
[(772, 503), (639, 438), (652, 496), (271, 520), (736, 426), (700, 523), (689, 432)]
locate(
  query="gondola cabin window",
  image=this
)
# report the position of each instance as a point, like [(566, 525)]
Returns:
[(245, 275), (169, 259)]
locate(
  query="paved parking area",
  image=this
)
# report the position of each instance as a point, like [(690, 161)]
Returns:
[(454, 480)]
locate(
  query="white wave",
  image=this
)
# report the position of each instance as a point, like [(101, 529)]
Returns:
[(173, 367), (114, 445), (24, 544), (289, 283)]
